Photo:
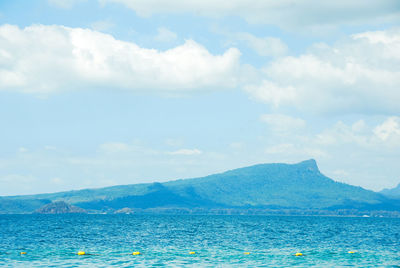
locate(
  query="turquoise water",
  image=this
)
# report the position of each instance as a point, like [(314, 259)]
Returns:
[(219, 241)]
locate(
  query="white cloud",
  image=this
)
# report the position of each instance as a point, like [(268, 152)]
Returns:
[(46, 59), (364, 152), (264, 46), (389, 131), (284, 13), (186, 152), (272, 93), (342, 133), (358, 75), (102, 25), (381, 137), (165, 35), (377, 37)]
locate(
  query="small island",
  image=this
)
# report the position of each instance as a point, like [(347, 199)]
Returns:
[(59, 207)]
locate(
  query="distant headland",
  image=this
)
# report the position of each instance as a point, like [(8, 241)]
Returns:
[(277, 189)]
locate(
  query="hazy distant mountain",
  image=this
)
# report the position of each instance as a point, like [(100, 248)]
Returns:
[(269, 186), (392, 193), (21, 205)]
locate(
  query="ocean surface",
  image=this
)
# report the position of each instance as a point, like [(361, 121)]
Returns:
[(217, 241)]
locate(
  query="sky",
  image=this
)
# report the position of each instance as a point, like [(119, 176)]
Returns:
[(95, 93)]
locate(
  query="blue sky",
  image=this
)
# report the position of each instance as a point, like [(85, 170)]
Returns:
[(103, 92)]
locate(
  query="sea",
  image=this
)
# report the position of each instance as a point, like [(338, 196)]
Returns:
[(198, 241)]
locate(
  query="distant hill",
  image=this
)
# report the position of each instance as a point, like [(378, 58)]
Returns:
[(274, 185), (21, 205), (392, 193), (59, 207), (265, 186)]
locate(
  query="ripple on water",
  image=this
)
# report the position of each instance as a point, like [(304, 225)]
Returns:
[(54, 240)]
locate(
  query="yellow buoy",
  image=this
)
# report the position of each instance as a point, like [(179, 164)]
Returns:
[(192, 252), (351, 252), (23, 253), (298, 254), (246, 253), (136, 253), (81, 253)]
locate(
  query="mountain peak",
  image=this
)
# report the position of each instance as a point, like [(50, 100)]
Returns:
[(310, 164)]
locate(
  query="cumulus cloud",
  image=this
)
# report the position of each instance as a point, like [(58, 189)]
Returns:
[(389, 131), (382, 137), (46, 59), (341, 134), (360, 74), (102, 25), (284, 13), (272, 93), (366, 151), (264, 46)]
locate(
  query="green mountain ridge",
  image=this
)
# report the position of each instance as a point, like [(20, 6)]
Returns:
[(271, 186), (298, 186)]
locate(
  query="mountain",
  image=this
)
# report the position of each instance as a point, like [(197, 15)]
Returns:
[(21, 205), (275, 186), (392, 193), (59, 207)]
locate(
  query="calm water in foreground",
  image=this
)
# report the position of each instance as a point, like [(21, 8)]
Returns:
[(54, 240)]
